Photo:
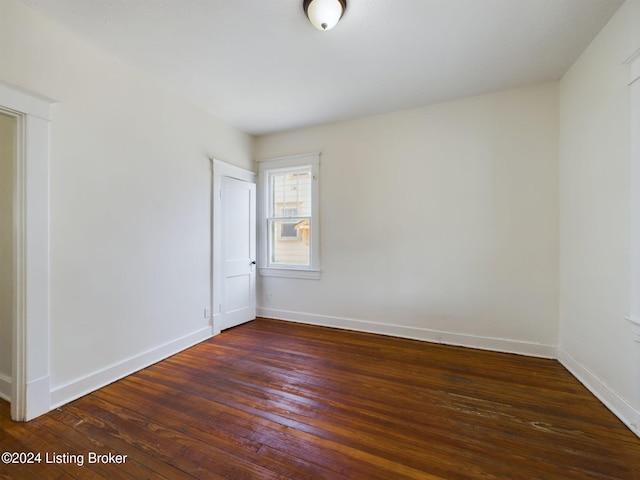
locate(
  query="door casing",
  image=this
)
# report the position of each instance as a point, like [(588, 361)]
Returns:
[(30, 384)]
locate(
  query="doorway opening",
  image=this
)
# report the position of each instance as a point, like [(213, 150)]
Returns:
[(8, 145)]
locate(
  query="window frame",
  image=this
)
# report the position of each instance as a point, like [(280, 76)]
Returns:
[(311, 271)]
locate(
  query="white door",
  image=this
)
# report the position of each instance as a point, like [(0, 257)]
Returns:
[(238, 245)]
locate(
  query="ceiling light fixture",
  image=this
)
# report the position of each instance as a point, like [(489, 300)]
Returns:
[(324, 14)]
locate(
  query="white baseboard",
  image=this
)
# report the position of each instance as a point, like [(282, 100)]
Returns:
[(5, 387), (37, 392), (37, 398), (415, 333), (80, 387), (621, 408)]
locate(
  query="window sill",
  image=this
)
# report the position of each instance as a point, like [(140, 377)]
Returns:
[(289, 273)]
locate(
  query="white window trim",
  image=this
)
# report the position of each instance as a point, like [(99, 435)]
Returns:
[(289, 271)]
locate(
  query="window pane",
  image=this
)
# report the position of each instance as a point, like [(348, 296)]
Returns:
[(290, 193), (289, 242), (288, 230)]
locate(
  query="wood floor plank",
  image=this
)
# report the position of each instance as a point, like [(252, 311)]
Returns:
[(361, 435), (279, 400), (343, 430), (271, 434), (90, 434), (200, 428), (229, 431)]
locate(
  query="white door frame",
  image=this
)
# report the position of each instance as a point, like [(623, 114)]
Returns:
[(634, 84), (221, 169), (30, 389), (629, 415)]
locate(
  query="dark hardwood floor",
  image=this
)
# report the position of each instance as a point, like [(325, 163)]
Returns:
[(273, 399)]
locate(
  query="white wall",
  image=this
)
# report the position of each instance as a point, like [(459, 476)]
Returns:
[(129, 202), (595, 340), (7, 154), (438, 222)]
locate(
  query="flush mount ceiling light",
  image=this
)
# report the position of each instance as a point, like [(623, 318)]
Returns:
[(324, 14)]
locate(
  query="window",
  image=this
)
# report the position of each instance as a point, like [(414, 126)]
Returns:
[(288, 230), (288, 216)]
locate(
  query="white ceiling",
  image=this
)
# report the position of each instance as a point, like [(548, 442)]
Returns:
[(261, 66)]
